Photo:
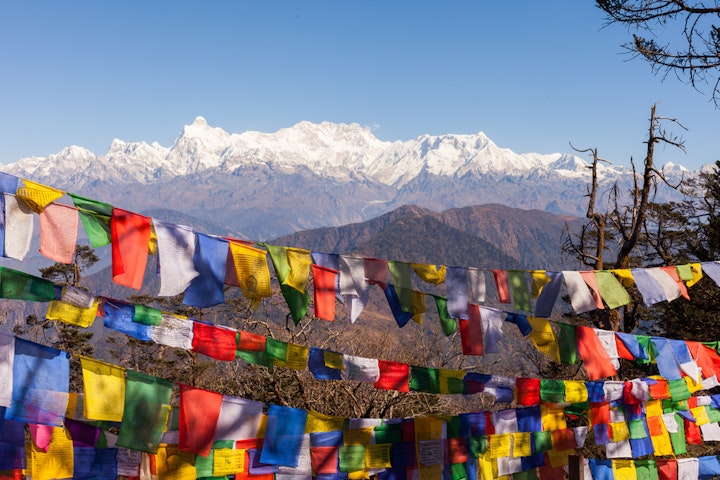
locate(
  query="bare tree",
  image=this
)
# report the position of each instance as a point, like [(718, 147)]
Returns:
[(692, 48)]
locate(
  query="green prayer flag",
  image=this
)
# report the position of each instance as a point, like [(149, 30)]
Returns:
[(448, 324), (352, 458), (679, 390), (276, 349), (552, 391), (388, 433), (453, 427), (677, 439), (543, 441), (713, 414), (517, 279), (455, 385), (646, 469), (578, 409), (147, 315), (637, 429), (22, 286), (477, 446), (684, 272), (255, 358), (95, 217), (297, 301), (644, 341), (204, 465), (611, 290), (525, 475), (147, 407), (400, 274), (424, 379), (457, 471), (567, 344)]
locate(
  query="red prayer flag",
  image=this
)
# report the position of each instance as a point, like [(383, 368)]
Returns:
[(324, 292), (471, 334), (564, 439), (217, 342), (706, 358), (501, 280), (589, 277), (324, 459), (692, 433), (548, 472), (596, 360), (199, 413), (393, 376), (667, 469), (660, 389), (130, 235), (622, 350), (600, 413), (528, 391), (457, 450), (251, 342)]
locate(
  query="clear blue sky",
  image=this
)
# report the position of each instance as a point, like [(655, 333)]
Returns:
[(532, 75)]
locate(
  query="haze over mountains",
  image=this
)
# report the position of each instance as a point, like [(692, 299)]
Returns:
[(261, 186)]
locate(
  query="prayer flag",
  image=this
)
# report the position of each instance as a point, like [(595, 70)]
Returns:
[(401, 316), (146, 410), (580, 297), (37, 196), (18, 228), (447, 323), (456, 284), (104, 387), (206, 289), (119, 316), (58, 232), (471, 332), (283, 436), (174, 331), (430, 273), (595, 359), (611, 289), (70, 314), (393, 376), (57, 461), (176, 251), (249, 271), (199, 414), (324, 280), (517, 279), (214, 341), (543, 338), (130, 235), (41, 376), (546, 300), (400, 278), (290, 266), (95, 217), (239, 419)]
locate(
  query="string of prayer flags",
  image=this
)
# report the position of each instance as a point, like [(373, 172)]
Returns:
[(18, 228), (104, 387), (58, 232), (292, 269), (95, 217), (40, 377), (145, 412), (130, 233), (249, 271), (176, 252), (209, 260)]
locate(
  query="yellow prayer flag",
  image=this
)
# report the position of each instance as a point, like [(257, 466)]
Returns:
[(58, 461), (624, 469), (357, 436), (297, 357), (153, 242), (377, 455), (487, 467), (693, 385), (701, 416), (430, 273), (418, 307), (71, 314), (227, 461), (359, 475), (319, 422), (624, 276), (446, 376), (37, 196), (575, 391), (553, 418), (522, 446), (538, 279), (620, 431), (653, 408), (252, 271), (543, 338), (500, 445), (658, 433), (428, 430), (299, 261), (697, 274), (334, 360), (104, 387), (174, 464)]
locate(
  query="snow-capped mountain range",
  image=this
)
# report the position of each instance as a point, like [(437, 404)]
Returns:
[(262, 185)]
